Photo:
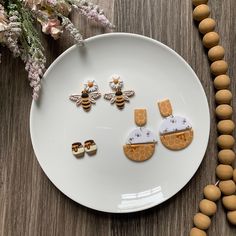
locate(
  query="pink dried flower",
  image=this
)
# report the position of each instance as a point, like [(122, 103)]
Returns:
[(52, 27), (50, 23)]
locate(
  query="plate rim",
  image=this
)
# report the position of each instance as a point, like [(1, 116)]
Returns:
[(102, 209)]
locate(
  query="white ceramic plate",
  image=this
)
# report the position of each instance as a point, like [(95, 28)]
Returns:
[(109, 181)]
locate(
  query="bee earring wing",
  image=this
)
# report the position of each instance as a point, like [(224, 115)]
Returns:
[(111, 97), (94, 96), (76, 98), (128, 94)]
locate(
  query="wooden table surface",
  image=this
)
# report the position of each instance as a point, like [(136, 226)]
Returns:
[(29, 202)]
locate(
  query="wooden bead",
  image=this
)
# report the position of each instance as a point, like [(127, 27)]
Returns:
[(225, 141), (211, 39), (227, 187), (207, 207), (216, 53), (229, 202), (206, 25), (226, 156), (201, 12), (202, 221), (212, 193), (197, 232), (234, 175), (222, 82), (231, 216), (225, 126), (224, 172), (224, 111), (223, 96), (219, 67), (198, 2)]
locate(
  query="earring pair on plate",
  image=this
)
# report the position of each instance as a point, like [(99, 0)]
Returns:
[(90, 94), (176, 133), (78, 149)]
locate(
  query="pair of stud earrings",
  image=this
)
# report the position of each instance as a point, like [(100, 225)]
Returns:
[(91, 93), (90, 147)]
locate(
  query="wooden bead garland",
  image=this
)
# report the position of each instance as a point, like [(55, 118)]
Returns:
[(225, 126)]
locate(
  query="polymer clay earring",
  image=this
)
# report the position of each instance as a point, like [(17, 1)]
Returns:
[(176, 132), (90, 147), (77, 149), (141, 142), (88, 95), (118, 97)]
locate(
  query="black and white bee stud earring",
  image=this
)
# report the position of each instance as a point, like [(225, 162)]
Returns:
[(118, 97), (90, 147), (87, 96), (78, 149)]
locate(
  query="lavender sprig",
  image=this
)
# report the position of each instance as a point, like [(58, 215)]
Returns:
[(92, 12), (3, 26), (3, 23), (14, 31), (68, 25), (33, 52)]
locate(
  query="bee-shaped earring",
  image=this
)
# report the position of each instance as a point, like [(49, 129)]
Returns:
[(88, 95), (119, 97)]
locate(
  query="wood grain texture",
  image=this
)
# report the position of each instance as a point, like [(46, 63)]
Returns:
[(31, 205)]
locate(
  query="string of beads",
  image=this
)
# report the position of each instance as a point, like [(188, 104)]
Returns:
[(226, 186)]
